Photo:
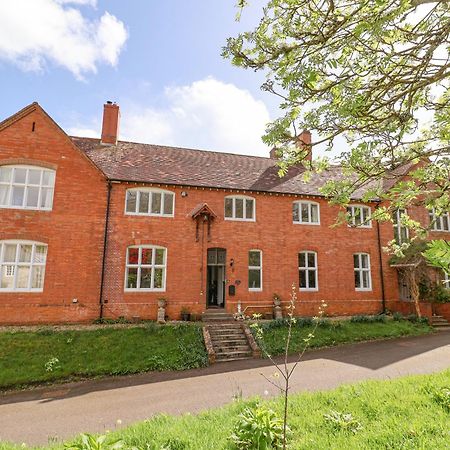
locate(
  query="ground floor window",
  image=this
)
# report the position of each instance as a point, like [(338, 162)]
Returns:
[(307, 269), (22, 266), (363, 281), (255, 270), (146, 268), (446, 281)]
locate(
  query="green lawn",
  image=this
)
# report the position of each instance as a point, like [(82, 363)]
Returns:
[(330, 333), (25, 355), (397, 414)]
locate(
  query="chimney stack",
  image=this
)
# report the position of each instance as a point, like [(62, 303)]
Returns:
[(274, 153), (110, 127), (304, 143)]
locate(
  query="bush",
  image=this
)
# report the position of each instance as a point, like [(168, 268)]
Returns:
[(368, 319), (258, 428), (343, 422)]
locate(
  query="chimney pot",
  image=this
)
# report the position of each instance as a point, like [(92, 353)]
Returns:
[(110, 126)]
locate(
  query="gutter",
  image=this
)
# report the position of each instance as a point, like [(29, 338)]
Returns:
[(105, 243), (380, 255)]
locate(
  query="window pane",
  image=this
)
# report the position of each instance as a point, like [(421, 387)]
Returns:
[(445, 224), (312, 279), (365, 279), (132, 277), (133, 256), (37, 279), (23, 274), (156, 203), (295, 212), (168, 204), (302, 278), (131, 201), (357, 216), (32, 196), (34, 176), (4, 195), (159, 278), (248, 209), (221, 254), (365, 261), (229, 207), (40, 253), (25, 253), (239, 211), (304, 211), (20, 175), (6, 277), (5, 174), (302, 259), (254, 259), (144, 198), (254, 279), (356, 261), (48, 178), (314, 214), (147, 255), (159, 256), (357, 279), (17, 195), (46, 197), (9, 253), (311, 259), (146, 278)]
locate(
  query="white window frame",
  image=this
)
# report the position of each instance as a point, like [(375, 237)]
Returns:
[(308, 269), (361, 269), (260, 268), (151, 266), (233, 216), (309, 204), (437, 222), (26, 186), (16, 264), (446, 281), (398, 227), (352, 216), (150, 191)]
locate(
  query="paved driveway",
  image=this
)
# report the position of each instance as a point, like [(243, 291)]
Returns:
[(37, 416)]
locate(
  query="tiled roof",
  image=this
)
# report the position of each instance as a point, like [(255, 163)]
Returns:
[(128, 161)]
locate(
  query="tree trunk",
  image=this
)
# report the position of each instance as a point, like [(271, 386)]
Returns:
[(414, 289)]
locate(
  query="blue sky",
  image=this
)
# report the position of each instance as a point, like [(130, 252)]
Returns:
[(160, 60)]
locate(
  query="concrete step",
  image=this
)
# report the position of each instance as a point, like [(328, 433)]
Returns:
[(226, 350), (232, 355), (236, 341), (226, 360)]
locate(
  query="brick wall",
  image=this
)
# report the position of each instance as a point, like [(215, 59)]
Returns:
[(73, 230)]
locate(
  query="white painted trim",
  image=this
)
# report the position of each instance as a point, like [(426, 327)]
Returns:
[(260, 268), (309, 203), (360, 206), (149, 190), (238, 219), (309, 269), (361, 270), (438, 220)]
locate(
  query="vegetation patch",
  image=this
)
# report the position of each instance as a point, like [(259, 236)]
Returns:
[(329, 333), (47, 355), (401, 413)]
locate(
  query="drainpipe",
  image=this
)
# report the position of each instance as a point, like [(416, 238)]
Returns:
[(380, 254), (105, 242)]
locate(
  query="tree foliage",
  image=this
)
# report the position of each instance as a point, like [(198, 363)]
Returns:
[(374, 72)]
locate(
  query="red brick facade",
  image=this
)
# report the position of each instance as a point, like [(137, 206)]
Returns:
[(74, 231)]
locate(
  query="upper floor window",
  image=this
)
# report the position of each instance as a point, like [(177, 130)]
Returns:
[(363, 278), (359, 216), (255, 270), (26, 187), (150, 202), (446, 280), (306, 212), (439, 223), (146, 268), (401, 232), (22, 266), (307, 269), (239, 207)]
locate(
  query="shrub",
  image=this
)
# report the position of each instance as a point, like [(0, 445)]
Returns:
[(343, 422), (397, 316), (258, 428), (91, 442), (442, 397), (368, 319)]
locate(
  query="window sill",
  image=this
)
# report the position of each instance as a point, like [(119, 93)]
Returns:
[(130, 290), (254, 290), (239, 220), (21, 208), (363, 289), (22, 291), (149, 215), (306, 223), (308, 289)]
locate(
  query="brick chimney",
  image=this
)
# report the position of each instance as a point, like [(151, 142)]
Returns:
[(274, 154), (304, 142), (110, 127)]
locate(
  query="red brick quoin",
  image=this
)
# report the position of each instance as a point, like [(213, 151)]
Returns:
[(87, 231)]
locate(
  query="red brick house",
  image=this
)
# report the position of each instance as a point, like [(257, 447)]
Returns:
[(101, 227)]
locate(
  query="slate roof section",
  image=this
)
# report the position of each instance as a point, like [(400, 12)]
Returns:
[(128, 161)]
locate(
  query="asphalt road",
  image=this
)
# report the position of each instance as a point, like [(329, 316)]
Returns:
[(43, 415)]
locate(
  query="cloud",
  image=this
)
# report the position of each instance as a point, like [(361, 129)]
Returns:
[(208, 114), (36, 33)]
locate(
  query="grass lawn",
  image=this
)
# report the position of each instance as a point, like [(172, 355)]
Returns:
[(26, 357), (330, 333), (398, 414)]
